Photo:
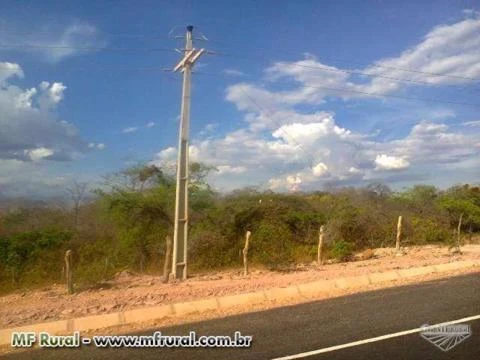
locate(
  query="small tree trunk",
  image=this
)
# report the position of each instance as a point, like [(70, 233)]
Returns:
[(168, 254), (68, 270), (77, 210), (245, 252), (320, 245), (459, 232), (105, 270), (399, 233)]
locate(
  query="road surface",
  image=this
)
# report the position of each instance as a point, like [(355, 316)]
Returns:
[(310, 327)]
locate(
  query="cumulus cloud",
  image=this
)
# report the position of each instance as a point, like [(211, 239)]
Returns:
[(452, 50), (9, 70), (150, 124), (51, 94), (447, 55), (283, 148), (329, 153), (32, 137), (386, 162), (39, 153), (320, 169), (167, 154), (29, 123)]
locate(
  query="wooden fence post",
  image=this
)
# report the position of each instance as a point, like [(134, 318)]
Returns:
[(168, 254), (245, 252), (399, 233), (320, 245), (69, 271)]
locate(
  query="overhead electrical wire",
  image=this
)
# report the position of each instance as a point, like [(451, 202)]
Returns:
[(376, 65), (372, 94), (93, 48), (411, 70), (227, 54), (318, 67), (280, 127)]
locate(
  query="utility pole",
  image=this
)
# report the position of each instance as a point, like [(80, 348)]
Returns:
[(180, 235)]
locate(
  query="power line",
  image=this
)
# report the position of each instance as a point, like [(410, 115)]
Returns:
[(99, 33), (373, 94), (93, 48), (395, 96), (100, 68), (280, 127), (418, 71), (323, 67), (326, 68)]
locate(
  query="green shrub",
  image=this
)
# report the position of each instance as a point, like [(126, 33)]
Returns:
[(272, 245), (341, 250), (429, 231)]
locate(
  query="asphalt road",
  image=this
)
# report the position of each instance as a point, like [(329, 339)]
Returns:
[(321, 324)]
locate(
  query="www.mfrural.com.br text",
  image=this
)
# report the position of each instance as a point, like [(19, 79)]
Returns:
[(156, 340)]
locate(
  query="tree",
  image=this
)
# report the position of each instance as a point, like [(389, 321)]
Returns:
[(77, 193), (459, 200)]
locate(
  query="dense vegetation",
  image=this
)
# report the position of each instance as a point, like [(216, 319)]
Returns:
[(125, 224)]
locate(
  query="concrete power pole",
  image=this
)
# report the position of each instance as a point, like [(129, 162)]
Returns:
[(180, 236)]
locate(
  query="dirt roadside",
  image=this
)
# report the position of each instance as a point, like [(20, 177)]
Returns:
[(130, 291)]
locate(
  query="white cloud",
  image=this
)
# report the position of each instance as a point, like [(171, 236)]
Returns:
[(51, 94), (99, 146), (150, 124), (228, 169), (474, 123), (471, 12), (31, 179), (53, 43), (442, 114), (56, 92), (31, 132), (168, 154), (233, 72), (339, 155), (452, 50), (28, 124), (129, 130), (39, 153), (210, 127), (294, 182), (386, 162), (284, 148), (9, 70), (320, 169)]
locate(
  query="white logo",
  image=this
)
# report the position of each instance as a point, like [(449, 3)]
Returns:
[(446, 337)]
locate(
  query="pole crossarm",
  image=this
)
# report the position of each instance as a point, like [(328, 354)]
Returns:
[(190, 57)]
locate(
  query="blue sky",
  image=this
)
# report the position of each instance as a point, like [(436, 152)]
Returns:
[(299, 95)]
